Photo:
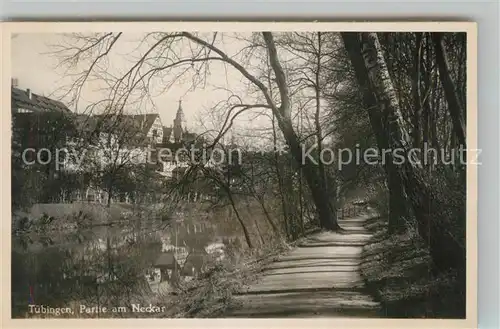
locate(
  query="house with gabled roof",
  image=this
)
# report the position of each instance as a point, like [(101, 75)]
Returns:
[(150, 126), (141, 129), (25, 101)]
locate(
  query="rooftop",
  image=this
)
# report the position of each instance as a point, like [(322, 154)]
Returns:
[(27, 100)]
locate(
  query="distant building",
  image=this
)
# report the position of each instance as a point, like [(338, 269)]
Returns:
[(38, 120), (134, 130), (41, 122), (179, 124), (150, 126), (25, 101), (174, 137), (178, 133)]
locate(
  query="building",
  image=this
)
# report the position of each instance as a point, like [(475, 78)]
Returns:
[(175, 137), (179, 124), (150, 126), (40, 128), (133, 130), (178, 133), (38, 119), (25, 101), (41, 122)]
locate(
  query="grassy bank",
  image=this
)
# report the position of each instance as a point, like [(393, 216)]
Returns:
[(396, 269), (211, 293)]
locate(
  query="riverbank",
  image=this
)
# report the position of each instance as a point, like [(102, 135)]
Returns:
[(396, 269), (213, 292)]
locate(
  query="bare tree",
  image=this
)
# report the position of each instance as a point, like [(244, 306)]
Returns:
[(314, 51), (117, 149), (167, 55)]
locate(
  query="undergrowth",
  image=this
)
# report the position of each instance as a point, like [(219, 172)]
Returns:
[(397, 269), (210, 294)]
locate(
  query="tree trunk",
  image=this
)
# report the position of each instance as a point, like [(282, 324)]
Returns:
[(280, 182), (454, 105), (397, 199), (429, 109), (445, 251), (434, 114), (317, 114), (268, 217), (283, 117), (417, 113), (260, 199), (262, 241), (301, 191), (108, 200), (319, 195), (301, 205), (240, 220)]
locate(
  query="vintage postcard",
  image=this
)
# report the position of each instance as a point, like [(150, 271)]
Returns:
[(297, 173)]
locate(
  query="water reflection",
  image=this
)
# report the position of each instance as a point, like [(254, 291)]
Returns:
[(187, 247), (58, 265)]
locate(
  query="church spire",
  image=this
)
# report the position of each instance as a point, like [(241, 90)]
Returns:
[(180, 113), (179, 122)]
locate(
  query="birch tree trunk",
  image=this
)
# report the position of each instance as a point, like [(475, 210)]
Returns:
[(445, 250), (397, 199)]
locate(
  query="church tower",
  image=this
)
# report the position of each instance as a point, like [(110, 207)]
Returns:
[(179, 124)]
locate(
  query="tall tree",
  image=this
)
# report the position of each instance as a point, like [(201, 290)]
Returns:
[(441, 243), (454, 106), (397, 199), (284, 119), (417, 98)]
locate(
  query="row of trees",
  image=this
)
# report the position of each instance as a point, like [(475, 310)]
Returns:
[(380, 97), (319, 90), (392, 90)]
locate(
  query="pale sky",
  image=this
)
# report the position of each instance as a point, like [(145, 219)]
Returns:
[(35, 69)]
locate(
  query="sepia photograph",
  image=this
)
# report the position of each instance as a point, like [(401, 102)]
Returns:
[(275, 173)]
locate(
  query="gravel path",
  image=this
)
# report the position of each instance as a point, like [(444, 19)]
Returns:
[(318, 278)]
